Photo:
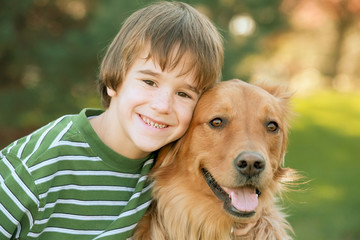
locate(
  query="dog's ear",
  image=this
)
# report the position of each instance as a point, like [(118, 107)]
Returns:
[(279, 90)]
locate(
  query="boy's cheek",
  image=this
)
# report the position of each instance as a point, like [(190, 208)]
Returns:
[(189, 118)]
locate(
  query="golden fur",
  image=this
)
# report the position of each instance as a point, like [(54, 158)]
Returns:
[(246, 119)]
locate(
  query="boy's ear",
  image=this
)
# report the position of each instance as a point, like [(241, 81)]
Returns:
[(111, 92)]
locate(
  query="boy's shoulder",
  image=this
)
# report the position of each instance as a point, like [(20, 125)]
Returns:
[(61, 136)]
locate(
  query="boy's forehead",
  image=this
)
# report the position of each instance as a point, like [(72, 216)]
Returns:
[(183, 64)]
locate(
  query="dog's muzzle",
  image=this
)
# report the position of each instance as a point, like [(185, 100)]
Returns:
[(240, 202)]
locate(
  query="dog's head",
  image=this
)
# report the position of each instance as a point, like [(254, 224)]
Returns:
[(236, 144)]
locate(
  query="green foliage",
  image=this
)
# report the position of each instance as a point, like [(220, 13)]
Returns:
[(50, 51)]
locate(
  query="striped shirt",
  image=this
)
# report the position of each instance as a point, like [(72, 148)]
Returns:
[(63, 182)]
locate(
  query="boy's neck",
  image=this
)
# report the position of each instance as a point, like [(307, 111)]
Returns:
[(112, 139)]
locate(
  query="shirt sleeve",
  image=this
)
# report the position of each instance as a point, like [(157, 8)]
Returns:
[(19, 201)]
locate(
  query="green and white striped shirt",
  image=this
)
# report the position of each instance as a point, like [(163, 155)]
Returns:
[(63, 182)]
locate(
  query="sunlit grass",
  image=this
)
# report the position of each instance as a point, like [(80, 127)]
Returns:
[(335, 111), (325, 147)]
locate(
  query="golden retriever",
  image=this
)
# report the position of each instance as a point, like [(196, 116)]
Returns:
[(220, 181)]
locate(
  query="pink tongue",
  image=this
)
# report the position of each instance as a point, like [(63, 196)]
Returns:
[(243, 199)]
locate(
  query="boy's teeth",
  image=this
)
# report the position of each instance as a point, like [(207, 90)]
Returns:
[(150, 123)]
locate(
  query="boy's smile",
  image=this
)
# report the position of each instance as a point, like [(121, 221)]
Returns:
[(150, 109), (152, 123)]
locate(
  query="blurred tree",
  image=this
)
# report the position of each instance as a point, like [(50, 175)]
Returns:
[(43, 58), (344, 15), (50, 51), (319, 49), (267, 20)]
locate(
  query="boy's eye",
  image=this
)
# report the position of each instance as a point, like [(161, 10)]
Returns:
[(150, 83), (183, 94)]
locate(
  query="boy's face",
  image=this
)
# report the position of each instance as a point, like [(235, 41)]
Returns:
[(152, 107)]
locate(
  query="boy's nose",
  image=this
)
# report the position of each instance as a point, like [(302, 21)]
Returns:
[(162, 102)]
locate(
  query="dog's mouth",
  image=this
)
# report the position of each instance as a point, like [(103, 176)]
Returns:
[(240, 202)]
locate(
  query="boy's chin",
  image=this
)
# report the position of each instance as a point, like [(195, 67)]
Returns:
[(148, 148), (152, 146), (151, 143)]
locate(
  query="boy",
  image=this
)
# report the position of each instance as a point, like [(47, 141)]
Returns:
[(84, 176)]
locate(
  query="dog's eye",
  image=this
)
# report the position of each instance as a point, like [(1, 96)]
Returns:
[(272, 127), (216, 122)]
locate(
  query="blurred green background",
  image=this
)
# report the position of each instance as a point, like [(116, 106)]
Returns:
[(50, 53)]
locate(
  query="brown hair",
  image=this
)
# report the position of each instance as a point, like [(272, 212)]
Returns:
[(164, 27)]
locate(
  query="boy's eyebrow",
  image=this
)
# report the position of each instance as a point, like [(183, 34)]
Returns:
[(155, 74), (149, 72), (192, 88)]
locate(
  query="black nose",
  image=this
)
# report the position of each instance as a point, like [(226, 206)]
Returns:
[(249, 163)]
